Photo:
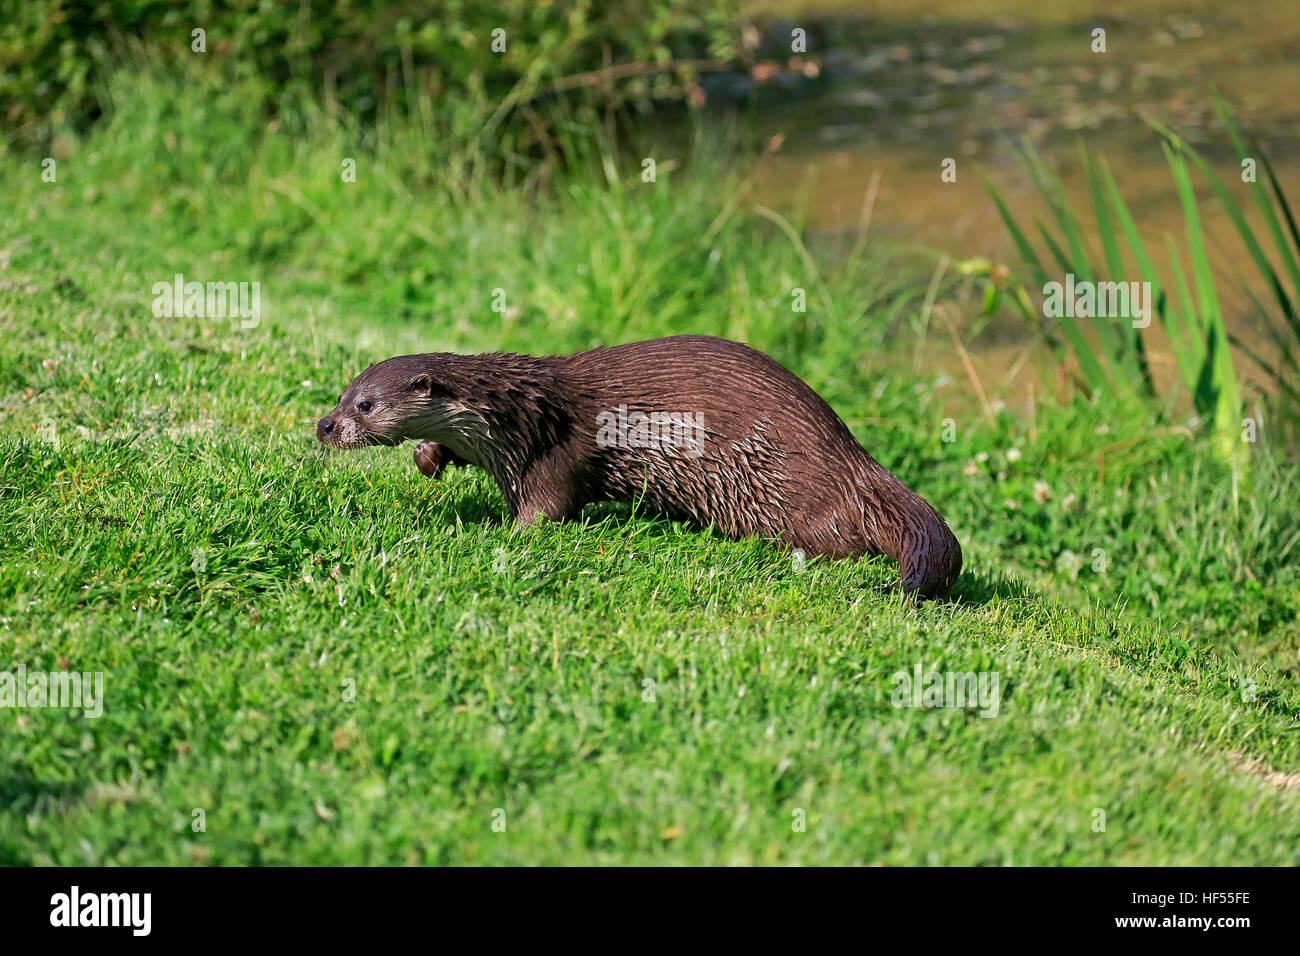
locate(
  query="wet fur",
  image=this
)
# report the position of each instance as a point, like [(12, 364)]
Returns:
[(776, 461)]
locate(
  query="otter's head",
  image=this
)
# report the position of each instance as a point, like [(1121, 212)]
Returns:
[(404, 397)]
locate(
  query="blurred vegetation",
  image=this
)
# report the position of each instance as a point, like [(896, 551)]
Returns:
[(1188, 308), (363, 56)]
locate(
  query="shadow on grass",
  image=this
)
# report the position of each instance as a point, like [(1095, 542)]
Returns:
[(978, 588), (464, 504), (481, 504)]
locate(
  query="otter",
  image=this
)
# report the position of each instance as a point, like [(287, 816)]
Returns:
[(690, 426)]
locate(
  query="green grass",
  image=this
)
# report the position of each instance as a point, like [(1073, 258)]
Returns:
[(177, 527)]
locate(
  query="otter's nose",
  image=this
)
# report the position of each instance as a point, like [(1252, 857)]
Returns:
[(324, 428)]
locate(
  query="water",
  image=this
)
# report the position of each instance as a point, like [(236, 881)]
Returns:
[(901, 86)]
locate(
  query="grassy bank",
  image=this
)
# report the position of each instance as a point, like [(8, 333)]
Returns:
[(338, 661)]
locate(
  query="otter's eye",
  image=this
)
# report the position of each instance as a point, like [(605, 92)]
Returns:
[(364, 407)]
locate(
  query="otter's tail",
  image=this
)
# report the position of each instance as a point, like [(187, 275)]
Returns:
[(902, 525), (930, 558)]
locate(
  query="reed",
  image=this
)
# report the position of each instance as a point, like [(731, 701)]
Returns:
[(1113, 356)]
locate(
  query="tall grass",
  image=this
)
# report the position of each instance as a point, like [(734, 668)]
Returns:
[(1188, 307), (199, 183)]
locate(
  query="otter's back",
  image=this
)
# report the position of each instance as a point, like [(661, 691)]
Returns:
[(773, 460)]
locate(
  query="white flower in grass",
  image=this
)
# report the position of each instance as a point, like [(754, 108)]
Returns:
[(1068, 563)]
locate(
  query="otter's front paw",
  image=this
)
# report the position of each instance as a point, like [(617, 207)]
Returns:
[(430, 458)]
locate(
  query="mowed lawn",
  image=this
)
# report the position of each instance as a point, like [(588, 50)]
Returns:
[(328, 658)]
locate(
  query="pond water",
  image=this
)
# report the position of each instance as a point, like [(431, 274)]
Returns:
[(900, 85)]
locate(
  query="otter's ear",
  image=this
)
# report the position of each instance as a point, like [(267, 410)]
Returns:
[(424, 384)]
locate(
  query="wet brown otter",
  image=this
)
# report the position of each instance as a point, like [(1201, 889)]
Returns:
[(691, 426)]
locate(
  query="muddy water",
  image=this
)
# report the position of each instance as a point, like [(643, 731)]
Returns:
[(901, 86)]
